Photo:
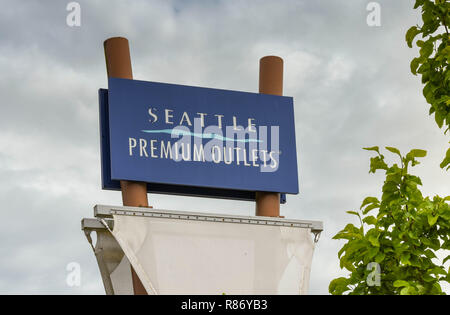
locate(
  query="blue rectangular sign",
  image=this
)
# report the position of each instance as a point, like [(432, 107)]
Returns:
[(197, 141)]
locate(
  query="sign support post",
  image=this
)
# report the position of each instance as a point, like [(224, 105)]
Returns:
[(270, 82), (134, 194)]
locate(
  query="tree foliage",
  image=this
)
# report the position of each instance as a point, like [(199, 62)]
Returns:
[(402, 236), (432, 62)]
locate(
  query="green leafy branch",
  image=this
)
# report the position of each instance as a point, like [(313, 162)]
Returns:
[(432, 62), (402, 236)]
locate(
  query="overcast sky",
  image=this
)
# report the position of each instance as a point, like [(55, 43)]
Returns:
[(351, 86)]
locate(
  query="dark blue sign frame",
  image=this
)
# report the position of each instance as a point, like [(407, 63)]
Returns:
[(110, 184)]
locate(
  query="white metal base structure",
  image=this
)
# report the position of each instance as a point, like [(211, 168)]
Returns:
[(175, 252)]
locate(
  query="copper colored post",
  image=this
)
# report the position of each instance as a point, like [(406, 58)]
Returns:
[(270, 82), (134, 194)]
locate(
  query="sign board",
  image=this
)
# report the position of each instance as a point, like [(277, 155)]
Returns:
[(197, 141)]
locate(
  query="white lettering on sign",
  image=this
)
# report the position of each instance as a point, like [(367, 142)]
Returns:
[(168, 116), (185, 119), (181, 151), (131, 145), (240, 146), (153, 115)]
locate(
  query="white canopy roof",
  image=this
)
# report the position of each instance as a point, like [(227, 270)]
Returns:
[(177, 252)]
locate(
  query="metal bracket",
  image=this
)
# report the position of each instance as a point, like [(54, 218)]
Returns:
[(88, 224), (104, 211), (316, 235)]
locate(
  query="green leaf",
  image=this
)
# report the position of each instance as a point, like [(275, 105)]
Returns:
[(353, 212), (380, 257), (369, 200), (401, 283), (437, 271), (416, 153), (432, 219), (404, 291), (404, 258), (351, 228), (377, 163), (414, 179), (347, 264), (338, 286), (410, 34), (376, 149), (372, 252), (374, 241), (347, 236), (394, 150), (445, 259), (429, 254), (428, 278), (370, 207), (427, 49), (437, 288), (446, 160), (370, 220), (439, 118), (415, 63)]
